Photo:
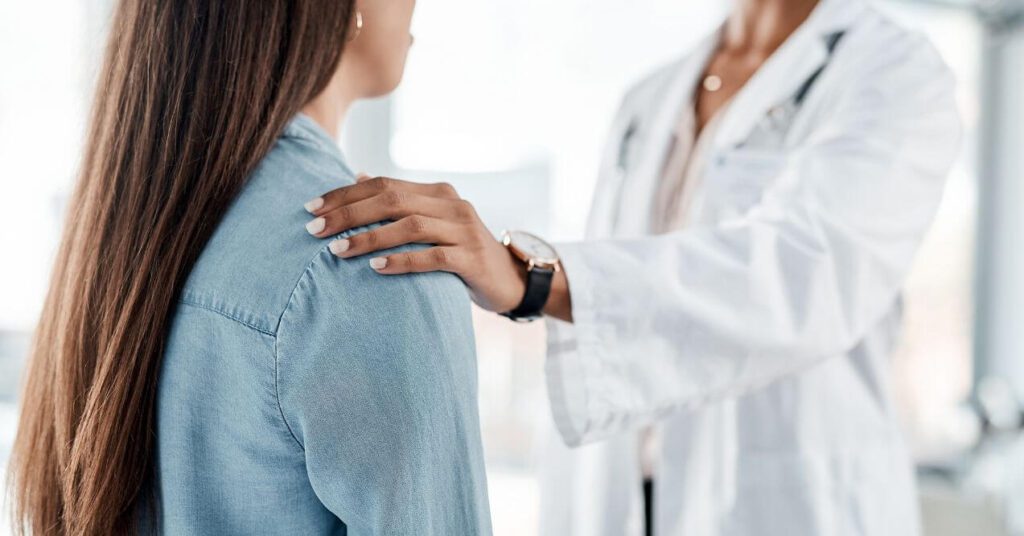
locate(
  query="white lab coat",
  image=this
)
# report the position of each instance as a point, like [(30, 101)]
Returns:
[(758, 338)]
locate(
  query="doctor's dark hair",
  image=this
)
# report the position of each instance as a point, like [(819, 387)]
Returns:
[(191, 95)]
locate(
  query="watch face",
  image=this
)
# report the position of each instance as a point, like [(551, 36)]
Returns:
[(533, 247)]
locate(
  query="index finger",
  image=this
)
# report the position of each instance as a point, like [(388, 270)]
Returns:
[(367, 187)]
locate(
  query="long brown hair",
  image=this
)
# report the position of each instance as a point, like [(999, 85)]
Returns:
[(191, 95)]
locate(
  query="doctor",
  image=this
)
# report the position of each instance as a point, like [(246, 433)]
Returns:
[(725, 329)]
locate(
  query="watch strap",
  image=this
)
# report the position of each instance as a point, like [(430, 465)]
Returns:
[(538, 289)]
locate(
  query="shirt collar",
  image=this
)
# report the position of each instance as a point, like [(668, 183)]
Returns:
[(303, 127), (831, 16)]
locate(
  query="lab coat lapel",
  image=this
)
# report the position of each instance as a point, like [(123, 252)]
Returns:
[(661, 120), (782, 75), (778, 79)]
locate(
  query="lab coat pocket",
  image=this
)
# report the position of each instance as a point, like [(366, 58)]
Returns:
[(737, 180)]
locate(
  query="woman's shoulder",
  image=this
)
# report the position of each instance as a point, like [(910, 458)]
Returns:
[(261, 260), (260, 248)]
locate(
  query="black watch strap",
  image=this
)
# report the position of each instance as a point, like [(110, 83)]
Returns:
[(538, 288)]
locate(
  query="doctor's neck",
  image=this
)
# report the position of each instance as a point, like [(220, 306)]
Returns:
[(763, 25)]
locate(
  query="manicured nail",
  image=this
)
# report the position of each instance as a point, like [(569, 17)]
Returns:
[(339, 246), (378, 263), (314, 205), (316, 226)]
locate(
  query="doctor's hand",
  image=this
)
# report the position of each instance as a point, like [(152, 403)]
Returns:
[(420, 214)]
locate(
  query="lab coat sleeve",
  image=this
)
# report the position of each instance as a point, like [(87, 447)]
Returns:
[(679, 320), (376, 380)]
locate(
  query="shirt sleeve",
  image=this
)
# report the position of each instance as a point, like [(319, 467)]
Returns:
[(683, 319), (377, 383)]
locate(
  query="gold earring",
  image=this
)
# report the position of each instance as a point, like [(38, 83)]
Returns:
[(359, 26)]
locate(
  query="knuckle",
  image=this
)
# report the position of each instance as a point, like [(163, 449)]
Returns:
[(370, 239), (440, 257), (465, 209), (416, 225), (398, 261), (393, 199), (341, 216), (447, 189), (409, 262), (332, 198), (381, 184)]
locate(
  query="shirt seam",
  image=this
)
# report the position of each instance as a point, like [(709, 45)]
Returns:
[(219, 312), (277, 393), (277, 353), (225, 314)]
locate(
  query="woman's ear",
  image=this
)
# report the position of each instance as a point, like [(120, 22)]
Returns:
[(356, 26), (373, 62)]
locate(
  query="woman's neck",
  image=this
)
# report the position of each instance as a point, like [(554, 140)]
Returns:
[(763, 25), (329, 108)]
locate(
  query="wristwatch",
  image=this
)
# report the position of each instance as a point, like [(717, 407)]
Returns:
[(541, 265)]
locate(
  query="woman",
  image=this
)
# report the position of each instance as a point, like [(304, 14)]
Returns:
[(177, 385), (725, 329)]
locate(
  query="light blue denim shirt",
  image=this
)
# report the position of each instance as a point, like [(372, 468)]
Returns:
[(305, 394)]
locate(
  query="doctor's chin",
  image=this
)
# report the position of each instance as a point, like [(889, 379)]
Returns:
[(512, 267)]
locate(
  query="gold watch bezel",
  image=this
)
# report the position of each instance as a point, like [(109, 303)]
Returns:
[(530, 261)]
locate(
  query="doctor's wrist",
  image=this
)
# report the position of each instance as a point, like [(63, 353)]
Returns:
[(560, 301), (542, 287), (502, 281)]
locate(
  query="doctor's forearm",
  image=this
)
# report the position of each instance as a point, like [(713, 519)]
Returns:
[(560, 302)]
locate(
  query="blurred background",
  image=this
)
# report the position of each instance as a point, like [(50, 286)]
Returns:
[(510, 100)]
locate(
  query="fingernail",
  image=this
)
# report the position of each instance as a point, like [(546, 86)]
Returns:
[(316, 226), (378, 263), (314, 205), (362, 176), (339, 246)]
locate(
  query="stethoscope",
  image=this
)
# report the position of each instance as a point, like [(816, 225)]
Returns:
[(775, 120)]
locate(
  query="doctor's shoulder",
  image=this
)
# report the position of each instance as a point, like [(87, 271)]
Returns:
[(884, 49), (885, 71)]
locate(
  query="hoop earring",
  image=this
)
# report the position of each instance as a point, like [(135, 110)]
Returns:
[(359, 26)]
